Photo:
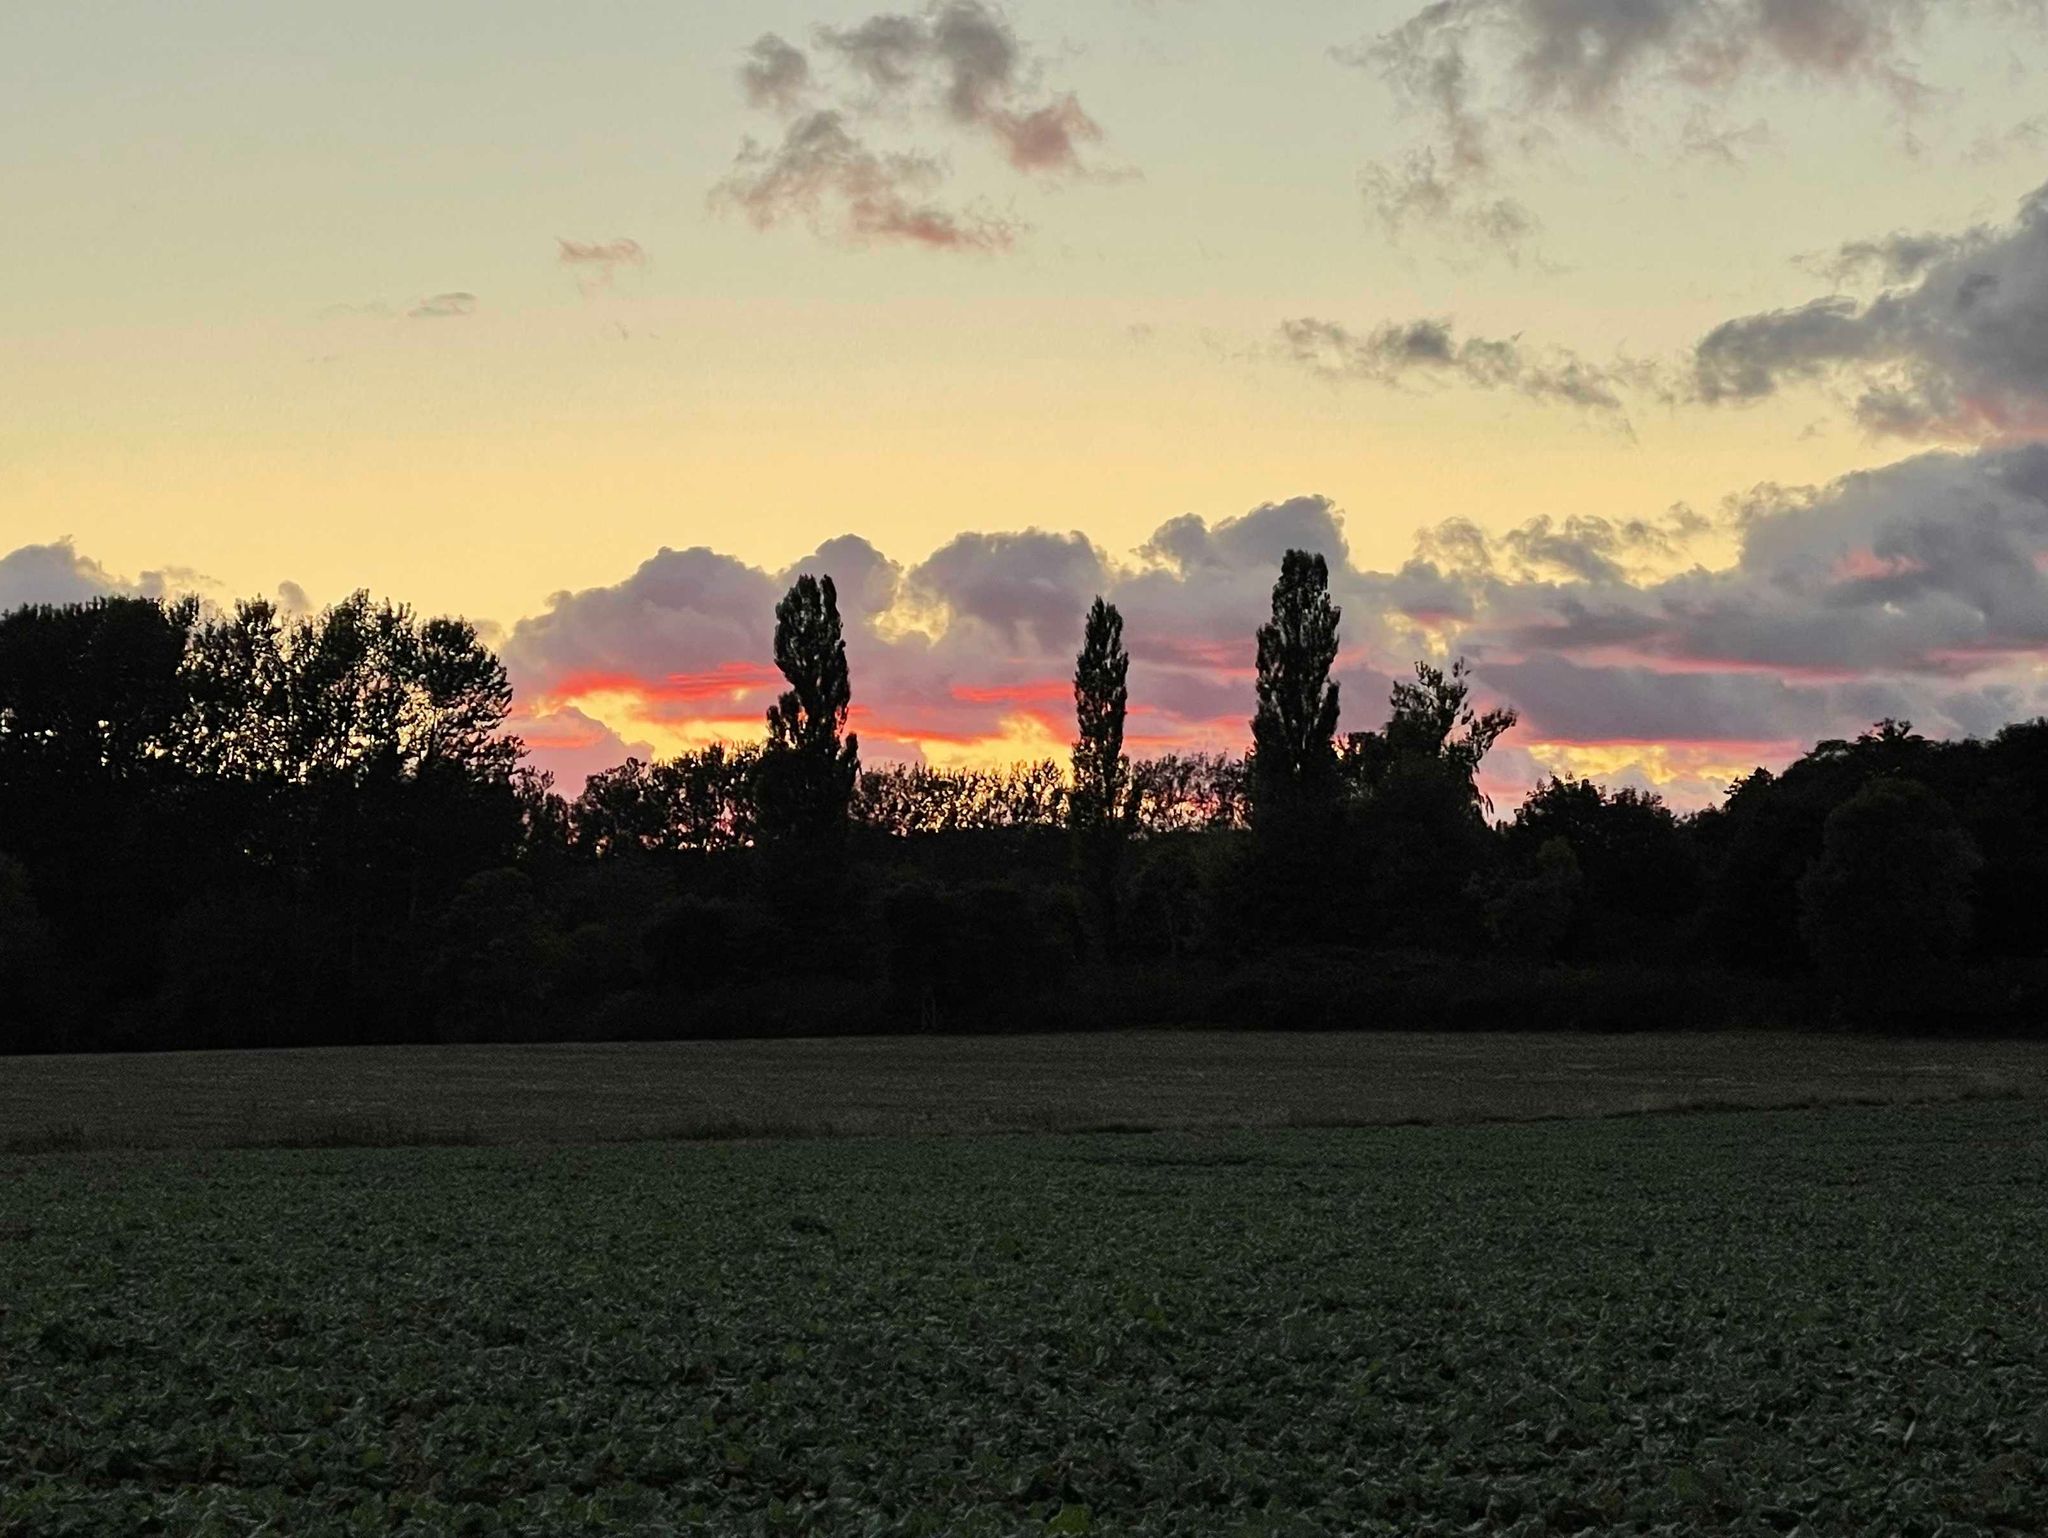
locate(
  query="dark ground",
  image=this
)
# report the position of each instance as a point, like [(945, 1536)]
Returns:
[(904, 1085)]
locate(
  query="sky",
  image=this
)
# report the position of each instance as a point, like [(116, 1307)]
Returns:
[(1682, 363)]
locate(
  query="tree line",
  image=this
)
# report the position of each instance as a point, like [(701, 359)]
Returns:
[(252, 828)]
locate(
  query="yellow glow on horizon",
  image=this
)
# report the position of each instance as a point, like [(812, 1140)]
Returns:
[(1718, 763)]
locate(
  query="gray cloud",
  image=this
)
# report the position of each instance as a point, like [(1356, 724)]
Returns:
[(1958, 352), (824, 174), (958, 66), (57, 574), (54, 573), (1396, 353), (1418, 192), (1892, 259), (775, 74), (1495, 75), (970, 63)]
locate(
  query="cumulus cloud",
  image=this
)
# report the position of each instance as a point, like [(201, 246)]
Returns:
[(1956, 349), (1396, 353), (52, 573), (1492, 78), (57, 573), (958, 67)]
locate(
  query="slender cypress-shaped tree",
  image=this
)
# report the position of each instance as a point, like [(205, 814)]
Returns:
[(1097, 809), (808, 769), (1101, 696), (1295, 888), (1294, 729)]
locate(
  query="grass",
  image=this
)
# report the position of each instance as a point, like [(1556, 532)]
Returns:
[(694, 1091), (1823, 1322)]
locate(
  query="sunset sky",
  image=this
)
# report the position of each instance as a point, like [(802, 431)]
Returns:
[(1684, 363)]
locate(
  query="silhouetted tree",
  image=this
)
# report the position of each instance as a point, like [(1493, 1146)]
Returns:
[(1640, 870), (1886, 907), (92, 801), (1293, 759), (1295, 726), (1430, 721), (811, 762), (93, 691), (1099, 809), (1418, 833)]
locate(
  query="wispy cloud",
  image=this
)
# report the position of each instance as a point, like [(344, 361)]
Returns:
[(444, 307), (1492, 79), (825, 174), (1398, 354), (958, 68)]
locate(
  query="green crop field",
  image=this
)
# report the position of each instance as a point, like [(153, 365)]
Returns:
[(1829, 1322), (897, 1085)]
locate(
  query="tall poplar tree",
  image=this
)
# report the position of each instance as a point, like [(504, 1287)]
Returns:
[(1294, 730), (1097, 809), (1101, 772), (808, 769)]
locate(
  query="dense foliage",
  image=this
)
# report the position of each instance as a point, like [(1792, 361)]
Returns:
[(254, 828), (1817, 1322)]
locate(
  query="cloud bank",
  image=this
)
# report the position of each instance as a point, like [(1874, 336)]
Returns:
[(1917, 590)]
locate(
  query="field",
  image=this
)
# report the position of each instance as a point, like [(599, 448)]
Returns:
[(892, 1086), (1828, 1321)]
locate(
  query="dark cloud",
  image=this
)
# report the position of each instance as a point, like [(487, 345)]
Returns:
[(958, 66), (1399, 353), (1958, 352)]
